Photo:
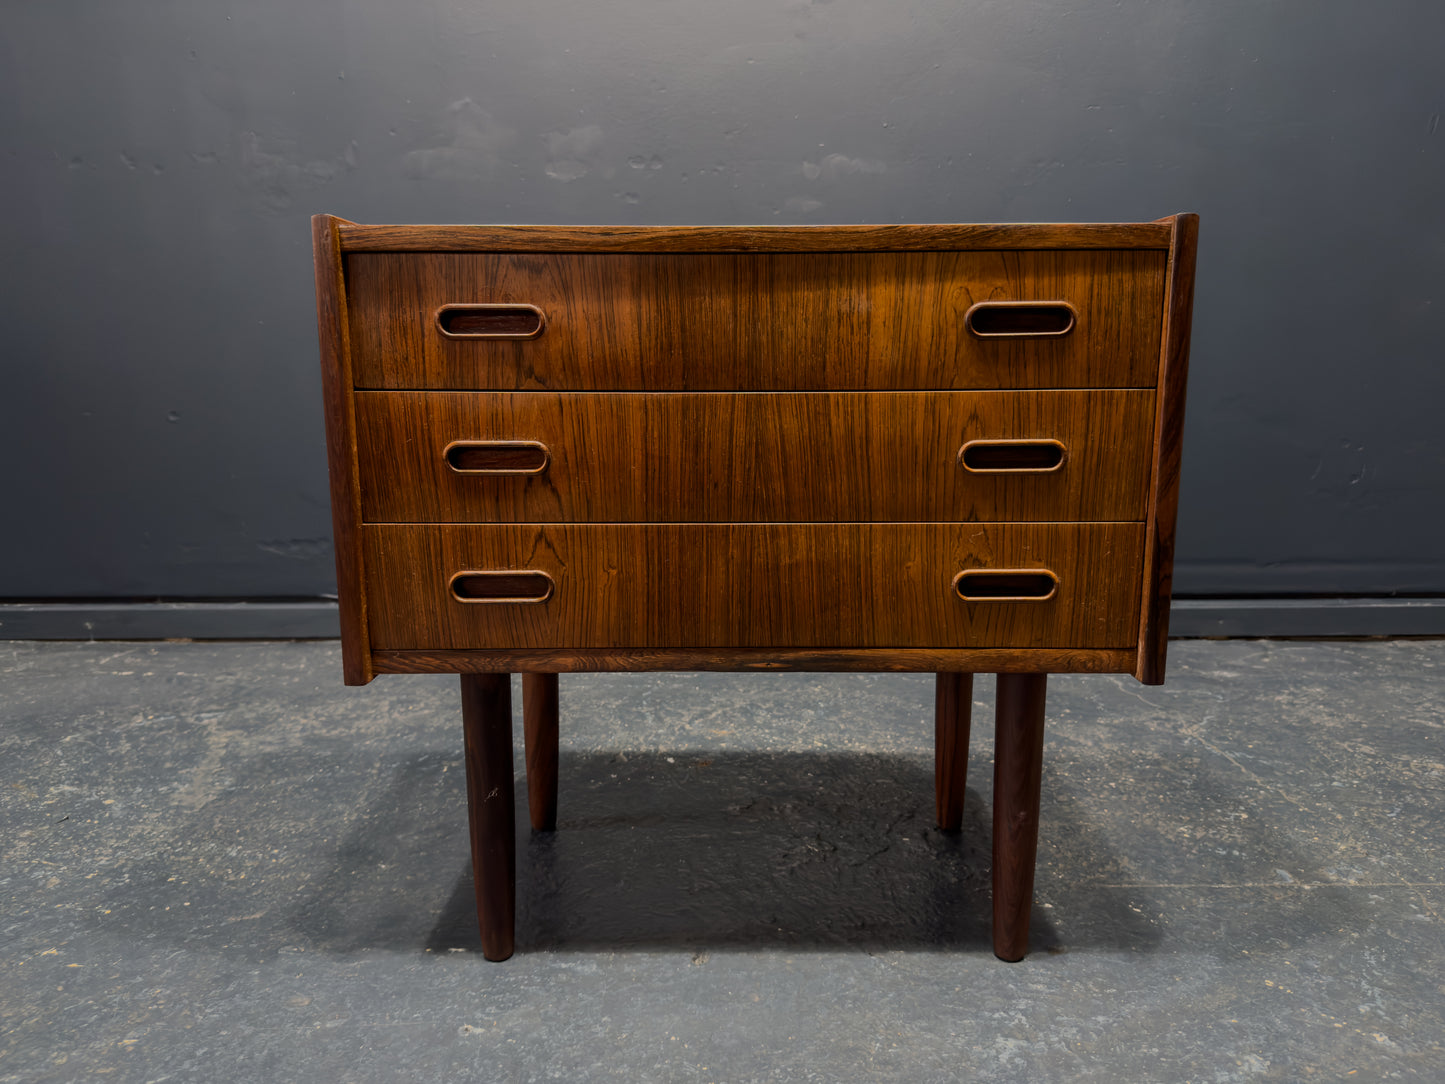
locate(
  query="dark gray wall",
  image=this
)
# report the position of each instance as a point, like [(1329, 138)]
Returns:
[(160, 419)]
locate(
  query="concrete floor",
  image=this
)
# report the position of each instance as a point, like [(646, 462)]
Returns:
[(217, 864)]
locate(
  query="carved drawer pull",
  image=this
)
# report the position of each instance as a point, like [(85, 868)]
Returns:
[(497, 456), (1006, 585), (1012, 456), (510, 321), (512, 585), (1020, 319)]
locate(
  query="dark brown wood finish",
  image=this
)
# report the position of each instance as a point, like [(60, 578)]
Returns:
[(540, 725), (771, 322), (1017, 780), (909, 238), (815, 660), (754, 585), (560, 449), (487, 728), (1168, 451), (749, 458), (952, 714), (333, 331)]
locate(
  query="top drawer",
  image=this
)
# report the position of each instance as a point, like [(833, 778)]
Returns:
[(776, 321)]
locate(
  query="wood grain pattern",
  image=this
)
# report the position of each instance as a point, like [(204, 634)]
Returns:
[(870, 238), (491, 798), (333, 333), (754, 585), (1168, 453), (952, 716), (1017, 777), (837, 321), (688, 457), (778, 659)]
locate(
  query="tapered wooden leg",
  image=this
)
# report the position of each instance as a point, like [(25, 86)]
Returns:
[(1017, 774), (487, 724), (539, 724), (952, 704)]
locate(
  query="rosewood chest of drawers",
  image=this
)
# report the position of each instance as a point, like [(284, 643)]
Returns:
[(951, 449)]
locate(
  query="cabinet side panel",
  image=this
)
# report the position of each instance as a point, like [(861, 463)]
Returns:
[(336, 388), (1168, 446)]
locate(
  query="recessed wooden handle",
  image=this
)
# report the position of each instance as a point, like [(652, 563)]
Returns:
[(1006, 585), (511, 321), (497, 456), (525, 585), (1020, 319), (1011, 456)]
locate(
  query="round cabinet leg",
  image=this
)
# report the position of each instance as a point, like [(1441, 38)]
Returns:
[(952, 703), (487, 725), (539, 724), (1017, 775)]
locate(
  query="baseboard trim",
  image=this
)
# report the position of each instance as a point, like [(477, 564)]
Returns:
[(316, 619), (304, 619), (1196, 618)]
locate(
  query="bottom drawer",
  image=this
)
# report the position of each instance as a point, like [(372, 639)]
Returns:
[(753, 585)]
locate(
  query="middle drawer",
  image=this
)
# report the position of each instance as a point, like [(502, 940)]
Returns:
[(620, 457)]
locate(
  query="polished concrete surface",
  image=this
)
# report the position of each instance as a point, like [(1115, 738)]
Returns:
[(219, 864)]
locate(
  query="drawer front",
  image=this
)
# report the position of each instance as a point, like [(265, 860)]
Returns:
[(802, 321), (752, 585), (541, 457)]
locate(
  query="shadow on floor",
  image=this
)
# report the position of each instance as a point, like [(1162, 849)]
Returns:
[(724, 850)]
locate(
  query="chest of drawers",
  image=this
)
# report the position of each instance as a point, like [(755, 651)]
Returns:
[(951, 449)]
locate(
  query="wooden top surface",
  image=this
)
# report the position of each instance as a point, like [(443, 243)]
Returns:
[(683, 239)]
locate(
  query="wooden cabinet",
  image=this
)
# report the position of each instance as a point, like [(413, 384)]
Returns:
[(942, 448)]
